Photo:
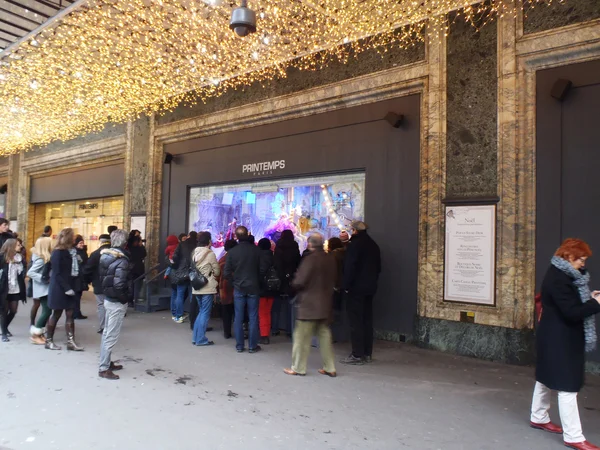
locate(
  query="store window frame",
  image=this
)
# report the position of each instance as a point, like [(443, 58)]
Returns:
[(274, 179)]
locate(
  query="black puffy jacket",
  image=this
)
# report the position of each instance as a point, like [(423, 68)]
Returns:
[(116, 275), (91, 269)]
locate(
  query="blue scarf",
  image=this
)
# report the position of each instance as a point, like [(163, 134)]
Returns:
[(581, 280)]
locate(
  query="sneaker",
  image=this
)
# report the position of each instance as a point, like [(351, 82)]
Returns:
[(240, 350), (368, 359), (179, 320), (255, 349), (353, 361)]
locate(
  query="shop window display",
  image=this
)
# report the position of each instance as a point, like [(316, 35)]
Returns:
[(325, 204), (90, 218)]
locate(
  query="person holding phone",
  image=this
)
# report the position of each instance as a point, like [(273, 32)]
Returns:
[(566, 331)]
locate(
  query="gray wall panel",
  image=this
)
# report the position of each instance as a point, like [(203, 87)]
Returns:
[(89, 183), (345, 140)]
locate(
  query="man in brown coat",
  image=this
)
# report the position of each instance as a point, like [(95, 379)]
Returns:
[(314, 283)]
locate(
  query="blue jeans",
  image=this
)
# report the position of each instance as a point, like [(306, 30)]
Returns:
[(205, 303), (178, 295), (240, 301), (281, 308)]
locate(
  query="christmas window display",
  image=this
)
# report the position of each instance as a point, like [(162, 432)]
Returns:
[(324, 204)]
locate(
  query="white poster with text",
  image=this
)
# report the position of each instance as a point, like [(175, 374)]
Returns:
[(470, 259)]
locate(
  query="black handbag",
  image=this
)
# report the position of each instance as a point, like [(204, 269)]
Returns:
[(196, 278), (180, 275), (29, 288), (46, 273)]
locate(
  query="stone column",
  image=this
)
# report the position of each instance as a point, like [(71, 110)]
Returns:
[(139, 136), (12, 195)]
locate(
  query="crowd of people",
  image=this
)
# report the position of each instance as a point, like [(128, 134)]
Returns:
[(265, 286), (59, 274), (261, 287)]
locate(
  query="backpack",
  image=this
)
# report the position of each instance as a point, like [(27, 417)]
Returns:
[(272, 281)]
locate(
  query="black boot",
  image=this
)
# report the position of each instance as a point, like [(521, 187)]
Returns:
[(50, 345), (71, 344)]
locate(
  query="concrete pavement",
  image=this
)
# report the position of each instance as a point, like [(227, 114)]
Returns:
[(173, 395)]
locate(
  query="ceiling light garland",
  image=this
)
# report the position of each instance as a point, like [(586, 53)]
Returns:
[(112, 60)]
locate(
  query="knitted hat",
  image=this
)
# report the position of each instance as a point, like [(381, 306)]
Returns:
[(104, 239)]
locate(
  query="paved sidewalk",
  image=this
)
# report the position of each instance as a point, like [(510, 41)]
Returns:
[(173, 395)]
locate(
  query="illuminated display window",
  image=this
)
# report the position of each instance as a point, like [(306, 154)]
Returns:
[(324, 204), (90, 218)]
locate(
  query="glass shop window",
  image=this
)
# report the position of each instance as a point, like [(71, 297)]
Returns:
[(324, 204)]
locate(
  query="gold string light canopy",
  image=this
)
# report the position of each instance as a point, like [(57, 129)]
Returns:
[(112, 60)]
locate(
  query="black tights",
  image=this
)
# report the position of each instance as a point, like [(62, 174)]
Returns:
[(55, 317), (7, 313), (57, 313), (34, 310)]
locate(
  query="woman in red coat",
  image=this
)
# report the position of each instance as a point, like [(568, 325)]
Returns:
[(566, 331)]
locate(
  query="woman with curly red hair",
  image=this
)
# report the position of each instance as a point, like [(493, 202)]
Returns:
[(566, 331)]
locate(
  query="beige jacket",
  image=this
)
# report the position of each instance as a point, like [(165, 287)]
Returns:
[(206, 262)]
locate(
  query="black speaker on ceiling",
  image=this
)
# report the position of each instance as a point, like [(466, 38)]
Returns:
[(560, 89), (394, 119), (168, 158)]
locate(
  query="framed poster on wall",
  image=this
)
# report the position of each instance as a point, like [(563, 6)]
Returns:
[(470, 254), (138, 222)]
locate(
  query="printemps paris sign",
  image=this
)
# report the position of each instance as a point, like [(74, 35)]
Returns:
[(263, 168)]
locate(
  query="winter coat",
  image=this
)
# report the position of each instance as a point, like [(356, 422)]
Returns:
[(61, 281), (4, 281), (40, 286), (339, 255), (116, 275), (245, 268), (91, 269), (172, 243), (138, 254), (362, 266), (560, 337), (182, 262), (268, 261), (80, 282), (314, 282), (225, 287), (206, 263), (287, 259)]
